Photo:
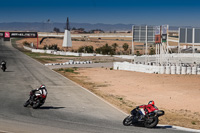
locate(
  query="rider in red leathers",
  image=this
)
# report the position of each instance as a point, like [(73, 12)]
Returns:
[(145, 109)]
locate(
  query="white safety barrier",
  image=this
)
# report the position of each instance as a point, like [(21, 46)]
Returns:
[(189, 70), (194, 70), (178, 70), (62, 52), (173, 69), (70, 62), (27, 48), (183, 71), (168, 71), (162, 70), (38, 51), (125, 56), (198, 71), (156, 69)]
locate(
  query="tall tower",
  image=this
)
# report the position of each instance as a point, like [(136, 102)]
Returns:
[(67, 24), (67, 42)]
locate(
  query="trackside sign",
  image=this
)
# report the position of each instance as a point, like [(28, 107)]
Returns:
[(23, 34), (7, 35)]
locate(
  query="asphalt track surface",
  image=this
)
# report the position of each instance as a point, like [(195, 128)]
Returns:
[(69, 108)]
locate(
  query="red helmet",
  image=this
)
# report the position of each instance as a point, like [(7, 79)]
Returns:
[(151, 102)]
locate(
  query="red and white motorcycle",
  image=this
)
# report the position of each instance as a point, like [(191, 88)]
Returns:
[(36, 99)]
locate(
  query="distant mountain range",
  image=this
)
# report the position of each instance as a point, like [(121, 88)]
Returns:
[(48, 27)]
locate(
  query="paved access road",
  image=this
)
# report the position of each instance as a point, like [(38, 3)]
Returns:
[(68, 108)]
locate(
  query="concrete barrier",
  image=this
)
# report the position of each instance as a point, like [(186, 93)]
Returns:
[(155, 69), (27, 48), (38, 51)]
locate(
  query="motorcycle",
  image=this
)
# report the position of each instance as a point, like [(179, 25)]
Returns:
[(3, 66), (36, 100), (150, 120)]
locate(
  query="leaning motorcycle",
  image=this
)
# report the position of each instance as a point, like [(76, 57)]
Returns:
[(36, 100), (3, 66), (149, 120)]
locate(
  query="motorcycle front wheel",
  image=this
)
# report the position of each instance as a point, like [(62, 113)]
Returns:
[(128, 121), (26, 103), (36, 104)]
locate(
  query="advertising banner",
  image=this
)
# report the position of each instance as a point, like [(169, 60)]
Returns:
[(164, 33), (7, 35), (23, 34), (157, 34)]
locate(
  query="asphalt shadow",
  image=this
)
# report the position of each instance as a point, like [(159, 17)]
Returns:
[(157, 127), (50, 107), (163, 127), (9, 71)]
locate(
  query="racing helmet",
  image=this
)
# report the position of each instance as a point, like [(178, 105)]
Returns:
[(43, 87), (151, 102)]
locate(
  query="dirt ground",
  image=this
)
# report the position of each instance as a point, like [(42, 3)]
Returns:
[(177, 95), (95, 42)]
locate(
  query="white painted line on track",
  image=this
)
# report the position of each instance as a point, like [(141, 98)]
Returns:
[(173, 127), (186, 129), (1, 131)]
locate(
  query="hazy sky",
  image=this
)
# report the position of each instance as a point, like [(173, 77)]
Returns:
[(154, 12)]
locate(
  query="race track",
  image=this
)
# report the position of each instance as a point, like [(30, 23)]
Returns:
[(69, 108)]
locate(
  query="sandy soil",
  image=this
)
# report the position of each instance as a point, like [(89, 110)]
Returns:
[(178, 95)]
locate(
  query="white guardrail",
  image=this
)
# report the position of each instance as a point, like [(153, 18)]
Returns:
[(75, 54), (156, 69), (61, 52)]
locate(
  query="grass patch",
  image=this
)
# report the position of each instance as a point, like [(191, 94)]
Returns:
[(69, 70), (102, 85), (193, 123), (61, 69), (120, 98)]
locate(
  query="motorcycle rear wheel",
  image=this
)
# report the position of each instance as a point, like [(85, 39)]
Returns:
[(151, 122), (128, 121)]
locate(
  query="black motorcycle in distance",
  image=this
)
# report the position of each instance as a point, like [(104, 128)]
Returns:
[(3, 66), (149, 120), (36, 100)]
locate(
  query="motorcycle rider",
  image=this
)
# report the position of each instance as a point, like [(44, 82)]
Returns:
[(3, 64), (146, 109), (40, 91)]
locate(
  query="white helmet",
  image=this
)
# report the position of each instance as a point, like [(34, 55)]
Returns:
[(43, 87)]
